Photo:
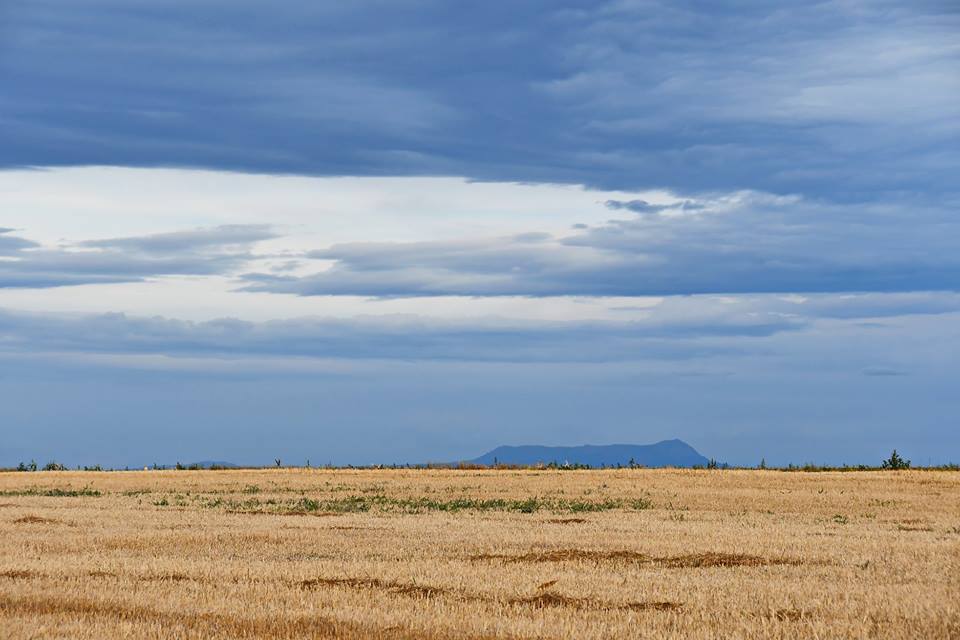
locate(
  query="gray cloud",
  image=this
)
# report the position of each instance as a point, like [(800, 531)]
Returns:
[(744, 242), (213, 251), (840, 99), (642, 206), (11, 245), (677, 328), (390, 337), (883, 372), (222, 237), (479, 383)]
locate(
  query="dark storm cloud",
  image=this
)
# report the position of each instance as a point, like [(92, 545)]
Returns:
[(845, 100)]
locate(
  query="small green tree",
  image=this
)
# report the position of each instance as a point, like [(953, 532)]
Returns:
[(895, 462), (763, 463)]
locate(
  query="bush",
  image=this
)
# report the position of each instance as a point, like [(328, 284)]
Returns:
[(895, 462)]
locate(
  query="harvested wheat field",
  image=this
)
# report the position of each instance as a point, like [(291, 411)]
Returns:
[(479, 554)]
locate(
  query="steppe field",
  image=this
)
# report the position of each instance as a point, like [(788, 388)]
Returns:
[(479, 554)]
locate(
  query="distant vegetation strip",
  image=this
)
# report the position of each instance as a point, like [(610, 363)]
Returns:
[(805, 467), (56, 492), (379, 502), (895, 462)]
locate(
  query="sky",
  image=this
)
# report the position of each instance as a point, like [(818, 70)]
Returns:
[(411, 231)]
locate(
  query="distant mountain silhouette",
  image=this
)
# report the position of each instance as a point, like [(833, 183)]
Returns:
[(668, 453)]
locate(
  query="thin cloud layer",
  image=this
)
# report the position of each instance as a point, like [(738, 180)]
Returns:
[(200, 252), (679, 328), (224, 237), (744, 242), (10, 245)]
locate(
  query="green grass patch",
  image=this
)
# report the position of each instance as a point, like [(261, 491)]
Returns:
[(388, 504), (56, 492)]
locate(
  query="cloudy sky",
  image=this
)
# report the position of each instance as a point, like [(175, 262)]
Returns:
[(415, 230)]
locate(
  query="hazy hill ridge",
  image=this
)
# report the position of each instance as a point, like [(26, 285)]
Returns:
[(667, 453)]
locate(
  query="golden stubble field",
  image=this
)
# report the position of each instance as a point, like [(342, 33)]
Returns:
[(479, 554)]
